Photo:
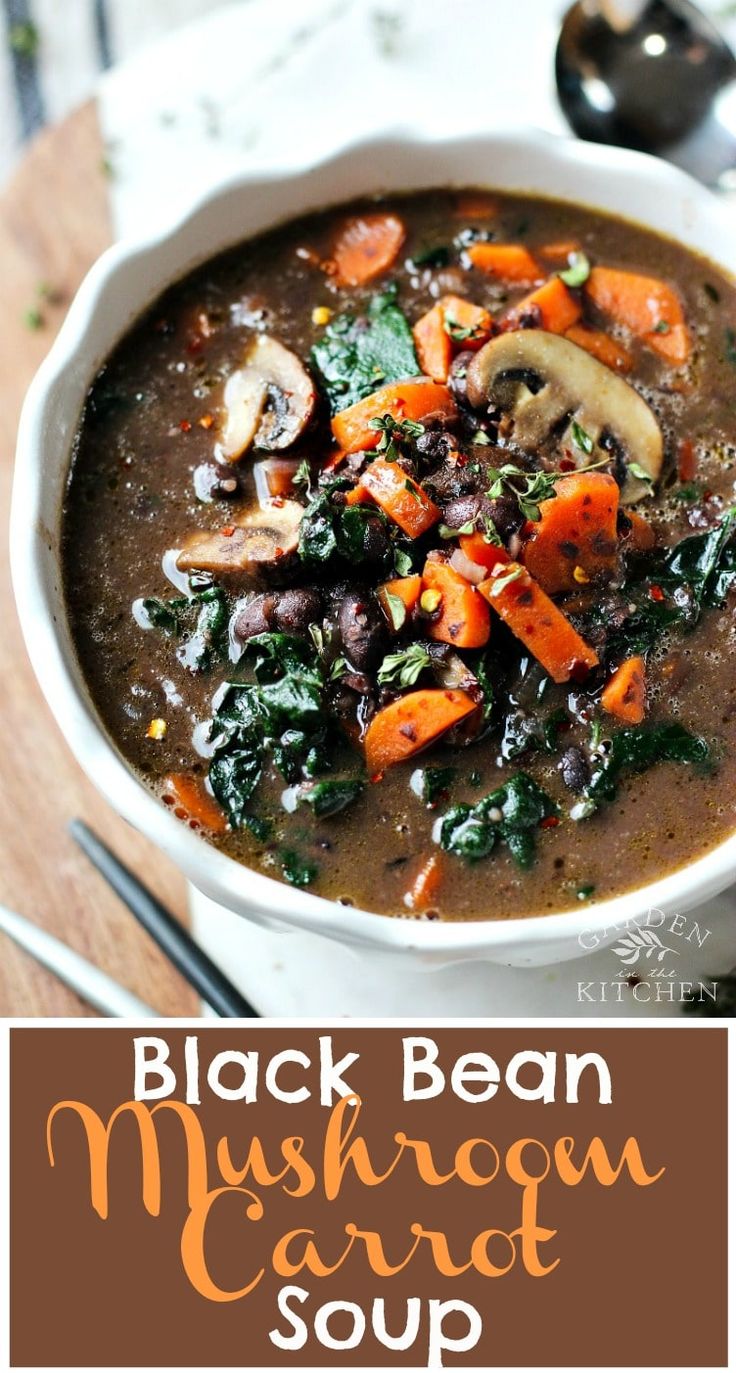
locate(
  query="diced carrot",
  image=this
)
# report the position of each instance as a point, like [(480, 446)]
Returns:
[(411, 723), (357, 495), (686, 460), (625, 695), (475, 205), (433, 344), (463, 620), (552, 307), (647, 306), (479, 550), (425, 889), (575, 539), (641, 537), (467, 317), (191, 801), (606, 349), (402, 499), (435, 334), (538, 623), (366, 246), (335, 459), (419, 398), (558, 251), (508, 261), (408, 590)]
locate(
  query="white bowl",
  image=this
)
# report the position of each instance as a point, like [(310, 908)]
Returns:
[(123, 283)]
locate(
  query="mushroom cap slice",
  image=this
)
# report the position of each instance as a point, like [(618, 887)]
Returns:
[(256, 544), (548, 384), (268, 401)]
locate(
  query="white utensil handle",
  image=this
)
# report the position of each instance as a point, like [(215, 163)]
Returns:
[(94, 986)]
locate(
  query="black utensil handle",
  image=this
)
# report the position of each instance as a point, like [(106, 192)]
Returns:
[(190, 960)]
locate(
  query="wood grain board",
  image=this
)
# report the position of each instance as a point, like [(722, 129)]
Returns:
[(53, 223)]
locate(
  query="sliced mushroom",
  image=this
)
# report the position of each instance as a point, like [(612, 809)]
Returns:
[(268, 401), (256, 543), (549, 385)]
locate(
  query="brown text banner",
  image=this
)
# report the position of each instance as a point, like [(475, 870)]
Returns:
[(250, 1196)]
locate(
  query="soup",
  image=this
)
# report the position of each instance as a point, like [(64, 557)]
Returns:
[(398, 554)]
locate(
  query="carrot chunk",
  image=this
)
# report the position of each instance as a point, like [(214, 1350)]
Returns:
[(641, 537), (453, 323), (508, 261), (464, 619), (560, 249), (477, 548), (625, 695), (425, 889), (468, 325), (407, 589), (552, 307), (191, 801), (649, 307), (575, 540), (606, 349), (412, 723), (366, 246), (433, 344), (416, 399), (402, 499), (475, 205), (538, 623)]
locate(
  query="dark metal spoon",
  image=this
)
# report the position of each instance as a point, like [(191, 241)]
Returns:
[(654, 75)]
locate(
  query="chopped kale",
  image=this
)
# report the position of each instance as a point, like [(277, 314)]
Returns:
[(637, 749), (699, 571), (330, 531), (208, 640), (282, 713), (355, 356), (300, 872), (165, 615), (431, 784), (511, 815), (527, 730), (331, 797)]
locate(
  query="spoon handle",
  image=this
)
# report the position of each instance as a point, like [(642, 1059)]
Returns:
[(94, 986)]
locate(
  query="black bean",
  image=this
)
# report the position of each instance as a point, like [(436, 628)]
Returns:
[(287, 612), (575, 769), (362, 630)]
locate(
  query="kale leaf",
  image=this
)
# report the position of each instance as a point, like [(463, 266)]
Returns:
[(511, 814), (330, 531), (355, 356), (283, 712), (208, 640), (282, 715), (635, 750), (524, 731), (331, 797), (699, 571), (431, 784)]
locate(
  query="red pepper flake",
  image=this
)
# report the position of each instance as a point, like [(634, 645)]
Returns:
[(206, 422), (377, 777), (228, 531), (686, 464), (549, 823), (185, 426), (278, 552), (278, 501), (567, 465), (656, 593)]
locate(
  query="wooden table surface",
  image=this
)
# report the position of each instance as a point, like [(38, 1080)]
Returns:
[(53, 224)]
